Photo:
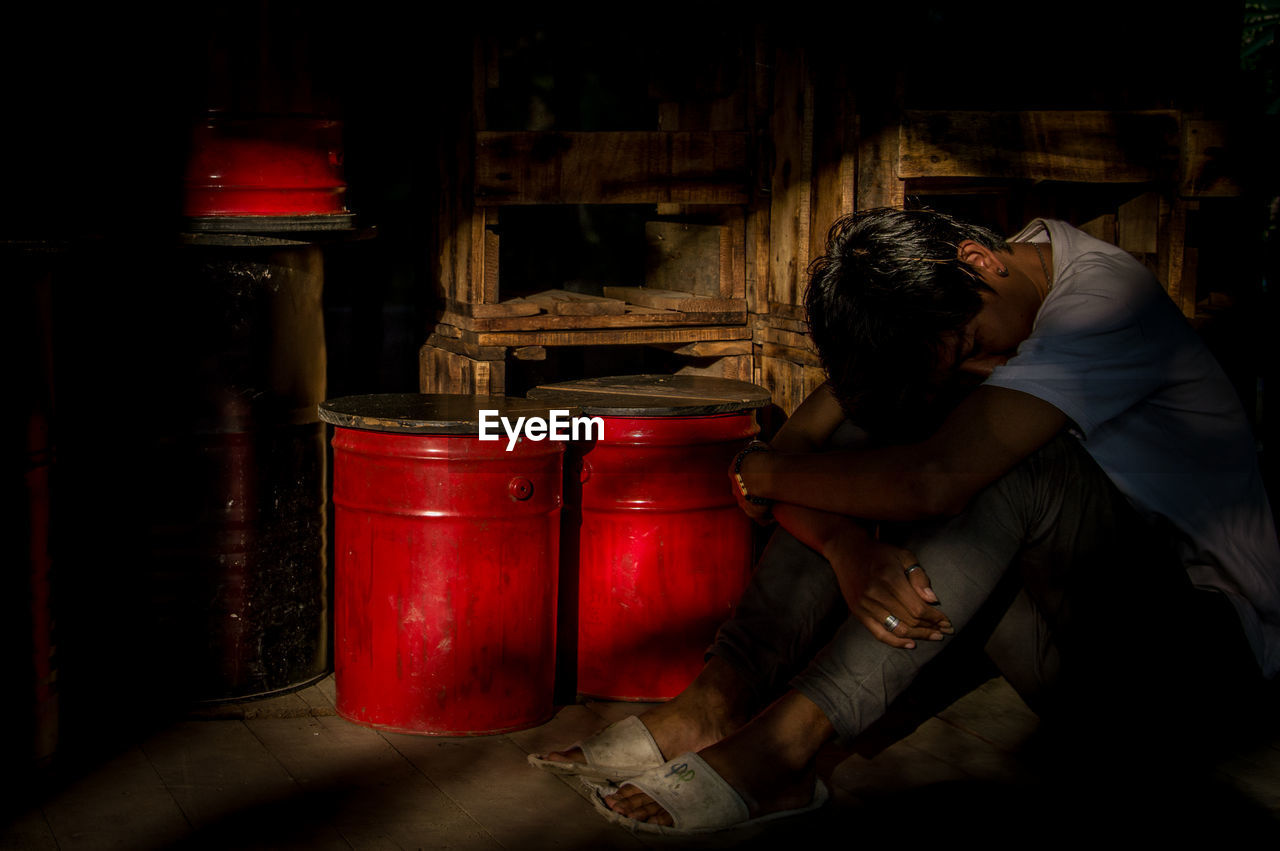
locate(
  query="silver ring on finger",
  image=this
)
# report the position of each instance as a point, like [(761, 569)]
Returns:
[(913, 567), (891, 623)]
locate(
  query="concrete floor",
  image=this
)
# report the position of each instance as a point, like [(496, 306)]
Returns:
[(289, 773)]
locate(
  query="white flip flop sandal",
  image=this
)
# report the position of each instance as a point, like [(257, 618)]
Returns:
[(698, 799), (618, 752)]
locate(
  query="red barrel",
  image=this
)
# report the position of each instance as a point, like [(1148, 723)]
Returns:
[(663, 551), (445, 573), (264, 166)]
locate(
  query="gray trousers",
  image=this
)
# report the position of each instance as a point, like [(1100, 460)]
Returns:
[(1049, 572)]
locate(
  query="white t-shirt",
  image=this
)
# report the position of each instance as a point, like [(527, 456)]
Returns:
[(1111, 351)]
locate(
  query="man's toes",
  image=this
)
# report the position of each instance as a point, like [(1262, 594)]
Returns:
[(571, 755), (634, 804)]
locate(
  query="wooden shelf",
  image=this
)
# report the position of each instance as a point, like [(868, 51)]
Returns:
[(629, 320), (571, 336), (743, 174), (643, 167), (1086, 146)]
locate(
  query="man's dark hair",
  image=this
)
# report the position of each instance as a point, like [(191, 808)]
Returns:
[(880, 302)]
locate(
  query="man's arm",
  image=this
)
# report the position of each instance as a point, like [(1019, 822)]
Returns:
[(983, 438), (812, 424)]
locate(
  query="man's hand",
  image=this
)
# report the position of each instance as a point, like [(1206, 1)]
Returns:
[(879, 580)]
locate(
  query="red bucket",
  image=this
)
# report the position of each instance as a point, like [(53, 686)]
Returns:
[(664, 552), (446, 555)]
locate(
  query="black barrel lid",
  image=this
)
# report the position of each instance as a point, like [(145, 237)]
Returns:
[(310, 223), (236, 236), (428, 413), (654, 395)]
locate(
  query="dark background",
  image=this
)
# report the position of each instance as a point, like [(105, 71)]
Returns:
[(98, 104)]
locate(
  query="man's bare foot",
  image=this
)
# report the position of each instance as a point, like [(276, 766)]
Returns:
[(769, 762), (713, 706)]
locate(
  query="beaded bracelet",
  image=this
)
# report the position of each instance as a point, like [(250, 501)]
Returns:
[(753, 446)]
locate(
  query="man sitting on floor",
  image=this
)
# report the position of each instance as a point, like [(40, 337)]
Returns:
[(1091, 517)]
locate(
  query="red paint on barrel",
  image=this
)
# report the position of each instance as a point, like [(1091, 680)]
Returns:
[(665, 552), (445, 581)]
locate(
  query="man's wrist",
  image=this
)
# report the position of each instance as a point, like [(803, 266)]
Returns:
[(841, 538)]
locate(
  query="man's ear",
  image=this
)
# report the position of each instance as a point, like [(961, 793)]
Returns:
[(981, 258)]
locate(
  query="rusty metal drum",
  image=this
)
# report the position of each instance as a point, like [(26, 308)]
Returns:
[(235, 473), (446, 550), (653, 534)]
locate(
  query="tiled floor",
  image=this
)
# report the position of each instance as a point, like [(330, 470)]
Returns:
[(288, 773)]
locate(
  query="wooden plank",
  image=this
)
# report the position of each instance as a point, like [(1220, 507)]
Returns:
[(879, 184), (675, 392), (834, 156), (532, 353), (735, 367), (793, 312), (781, 378), (1138, 224), (475, 278), (879, 179), (804, 357), (1103, 228), (712, 348), (811, 378), (781, 336), (443, 371), (486, 223), (1209, 168), (684, 257), (791, 127), (756, 272), (1173, 271), (669, 115), (674, 300), (461, 347), (788, 382), (1190, 281), (453, 236), (784, 323), (683, 394), (461, 109), (637, 317), (567, 303), (631, 167), (1090, 146), (733, 258), (510, 307), (604, 336)]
